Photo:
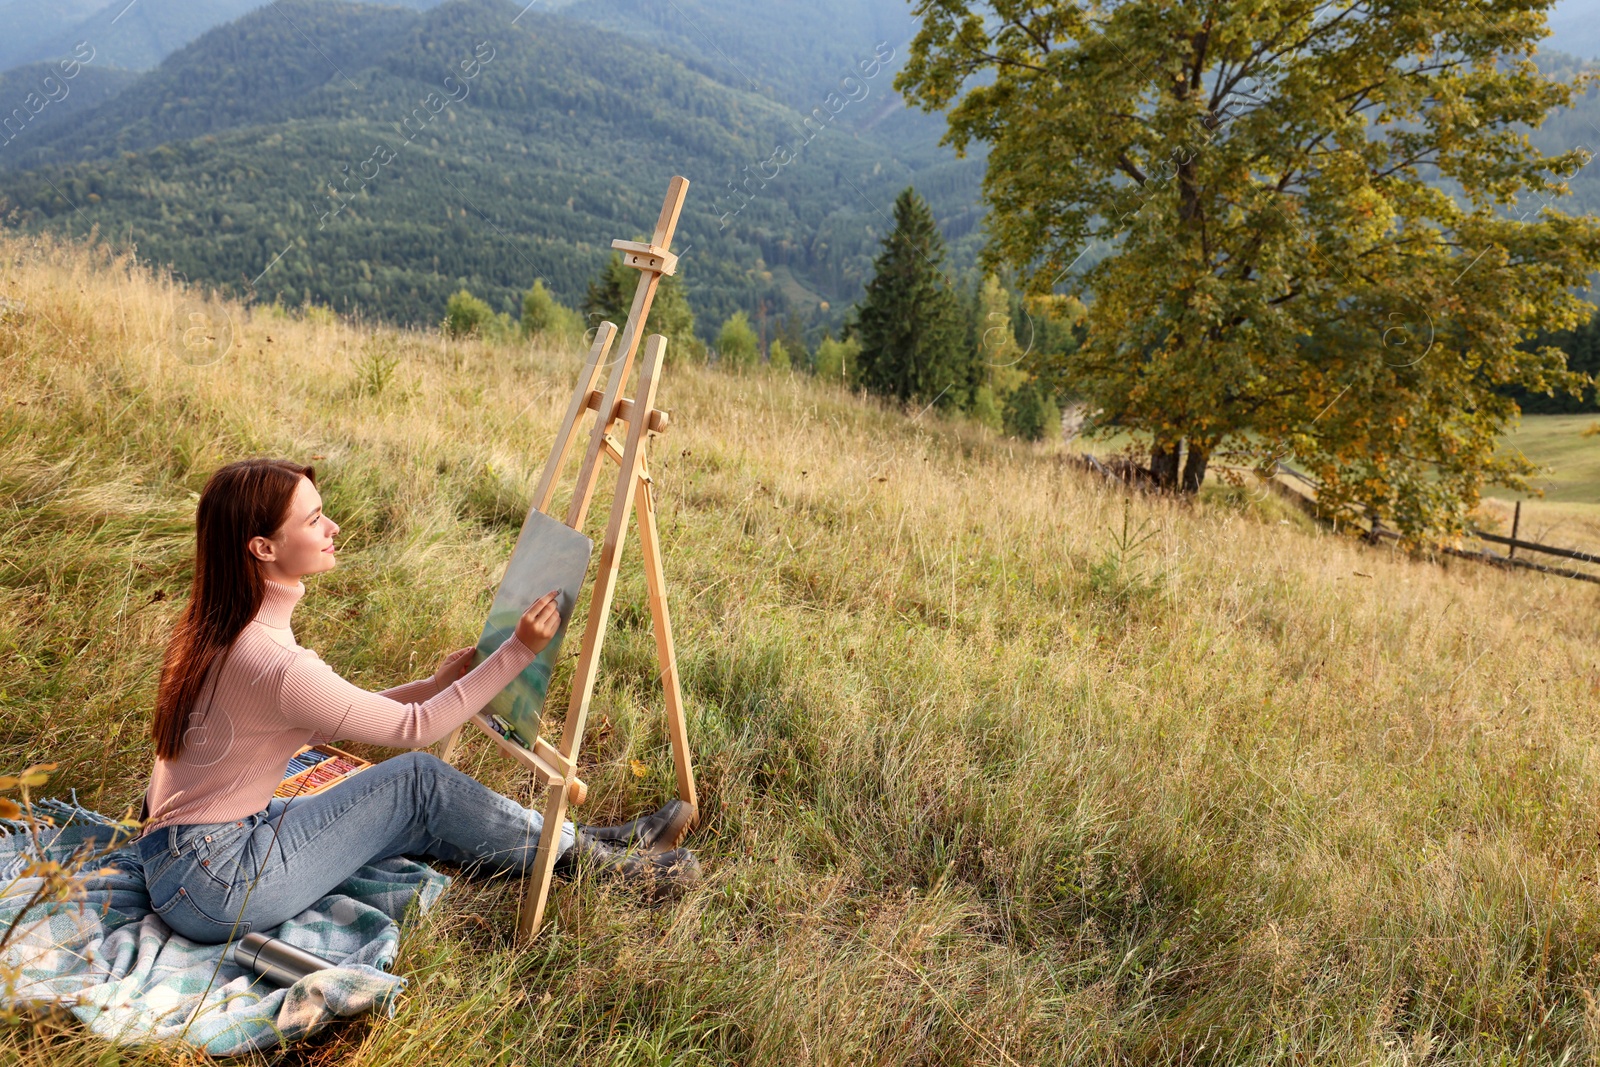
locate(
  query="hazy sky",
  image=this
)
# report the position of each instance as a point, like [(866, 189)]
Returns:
[(1576, 26)]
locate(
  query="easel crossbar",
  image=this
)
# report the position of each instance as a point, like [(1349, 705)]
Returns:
[(623, 412)]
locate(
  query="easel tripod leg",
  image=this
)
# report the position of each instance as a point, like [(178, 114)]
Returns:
[(536, 887), (448, 749), (666, 653)]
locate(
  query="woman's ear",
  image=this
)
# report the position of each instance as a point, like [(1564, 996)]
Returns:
[(262, 549)]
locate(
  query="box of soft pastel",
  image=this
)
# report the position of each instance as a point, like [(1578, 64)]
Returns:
[(318, 767)]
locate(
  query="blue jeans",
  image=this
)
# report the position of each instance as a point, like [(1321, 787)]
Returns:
[(215, 882)]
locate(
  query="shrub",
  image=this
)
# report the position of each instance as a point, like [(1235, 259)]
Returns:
[(611, 299), (1031, 412), (467, 316), (836, 360), (778, 357), (543, 314), (736, 343), (986, 409)]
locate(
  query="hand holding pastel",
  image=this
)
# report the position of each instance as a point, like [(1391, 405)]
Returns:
[(540, 622)]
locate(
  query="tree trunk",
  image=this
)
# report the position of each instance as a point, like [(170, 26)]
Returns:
[(1194, 467), (1164, 464)]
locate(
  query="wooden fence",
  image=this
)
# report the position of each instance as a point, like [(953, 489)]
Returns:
[(1128, 474)]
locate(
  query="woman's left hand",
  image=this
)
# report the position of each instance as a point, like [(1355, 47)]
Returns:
[(454, 666)]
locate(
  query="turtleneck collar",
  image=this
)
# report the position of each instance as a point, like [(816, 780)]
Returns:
[(278, 604)]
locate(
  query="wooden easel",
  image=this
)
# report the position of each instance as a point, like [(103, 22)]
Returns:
[(557, 766)]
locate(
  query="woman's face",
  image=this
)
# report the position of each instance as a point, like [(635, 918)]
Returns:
[(303, 544)]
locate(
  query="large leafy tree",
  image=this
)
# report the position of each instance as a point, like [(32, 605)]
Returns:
[(1582, 346), (912, 330), (1316, 227)]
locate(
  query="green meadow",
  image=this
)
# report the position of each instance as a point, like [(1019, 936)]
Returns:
[(998, 764), (1565, 511), (1570, 446)]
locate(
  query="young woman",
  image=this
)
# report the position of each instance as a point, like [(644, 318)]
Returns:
[(238, 697)]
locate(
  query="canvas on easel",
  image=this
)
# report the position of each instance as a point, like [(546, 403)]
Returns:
[(639, 421), (550, 555)]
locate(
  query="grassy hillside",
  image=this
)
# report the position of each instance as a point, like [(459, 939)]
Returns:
[(1570, 446), (982, 783), (1568, 514)]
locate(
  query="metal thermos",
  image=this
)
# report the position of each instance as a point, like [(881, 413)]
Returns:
[(275, 961)]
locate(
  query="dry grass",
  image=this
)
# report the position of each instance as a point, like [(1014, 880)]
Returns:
[(983, 783), (1567, 514)]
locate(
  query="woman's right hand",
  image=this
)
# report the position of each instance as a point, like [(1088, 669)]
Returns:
[(540, 622)]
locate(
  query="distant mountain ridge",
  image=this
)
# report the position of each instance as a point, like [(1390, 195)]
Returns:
[(795, 53), (131, 34), (31, 26), (219, 82), (339, 153), (799, 54)]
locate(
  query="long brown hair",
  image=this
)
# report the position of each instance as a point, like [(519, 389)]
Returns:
[(242, 500)]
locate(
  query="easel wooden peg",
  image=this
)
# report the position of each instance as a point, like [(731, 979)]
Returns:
[(556, 765)]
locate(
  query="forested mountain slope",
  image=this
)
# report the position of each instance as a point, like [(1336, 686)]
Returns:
[(48, 95), (342, 154), (257, 72), (795, 53), (799, 54)]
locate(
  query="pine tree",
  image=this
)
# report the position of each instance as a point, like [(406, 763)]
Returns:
[(611, 298), (912, 329), (1030, 412)]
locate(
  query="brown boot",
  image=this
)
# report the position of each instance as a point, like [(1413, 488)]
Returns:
[(677, 868), (661, 831)]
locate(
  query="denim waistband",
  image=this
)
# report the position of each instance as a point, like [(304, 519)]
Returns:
[(169, 839)]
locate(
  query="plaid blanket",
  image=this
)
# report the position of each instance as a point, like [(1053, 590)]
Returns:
[(110, 961)]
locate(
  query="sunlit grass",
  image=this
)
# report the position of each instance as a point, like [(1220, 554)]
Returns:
[(1567, 514), (1569, 445), (984, 778)]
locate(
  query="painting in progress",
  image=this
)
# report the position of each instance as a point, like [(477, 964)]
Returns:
[(549, 555)]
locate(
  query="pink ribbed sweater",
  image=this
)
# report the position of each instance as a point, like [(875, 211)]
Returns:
[(272, 696)]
